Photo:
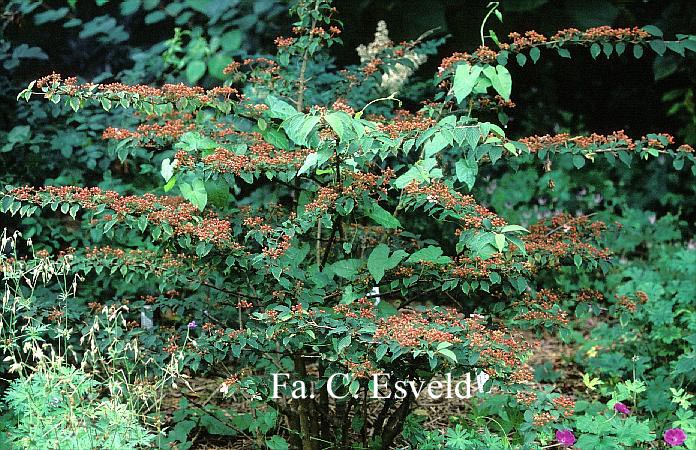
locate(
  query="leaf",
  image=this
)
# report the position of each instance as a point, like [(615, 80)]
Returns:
[(154, 17), (535, 53), (658, 46), (512, 228), (653, 30), (595, 50), (299, 126), (167, 169), (420, 172), (309, 162), (343, 343), (50, 16), (577, 259), (521, 59), (23, 51), (19, 133), (500, 241), (448, 353), (279, 109), (195, 71), (192, 141), (195, 193), (217, 64), (465, 79), (608, 49), (501, 80), (381, 215), (232, 40), (277, 443), (563, 52), (466, 172), (495, 153), (435, 144), (637, 51), (346, 268), (379, 261), (578, 161), (340, 122), (429, 254)]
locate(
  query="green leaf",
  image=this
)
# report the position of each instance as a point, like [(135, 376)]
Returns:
[(513, 228), (653, 30), (448, 354), (420, 172), (343, 343), (381, 351), (429, 254), (50, 16), (232, 40), (435, 144), (195, 193), (595, 50), (578, 161), (608, 49), (279, 109), (217, 64), (534, 53), (500, 241), (495, 153), (466, 172), (167, 169), (563, 53), (154, 17), (277, 443), (340, 122), (309, 162), (381, 215), (521, 59), (658, 46), (299, 126), (192, 141), (637, 51), (501, 80), (465, 79), (195, 71), (19, 133), (379, 261), (346, 268)]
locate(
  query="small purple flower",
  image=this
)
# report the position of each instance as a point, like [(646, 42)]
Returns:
[(621, 408), (674, 436), (565, 437), (192, 325)]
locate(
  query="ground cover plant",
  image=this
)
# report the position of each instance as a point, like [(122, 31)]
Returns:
[(293, 227)]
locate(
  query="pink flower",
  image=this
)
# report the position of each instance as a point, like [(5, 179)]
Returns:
[(192, 325), (565, 437), (621, 408), (674, 436)]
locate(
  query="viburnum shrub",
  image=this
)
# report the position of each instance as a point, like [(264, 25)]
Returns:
[(300, 221)]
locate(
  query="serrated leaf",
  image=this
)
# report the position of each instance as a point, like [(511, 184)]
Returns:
[(465, 78), (466, 170), (381, 215), (195, 193)]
